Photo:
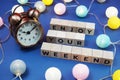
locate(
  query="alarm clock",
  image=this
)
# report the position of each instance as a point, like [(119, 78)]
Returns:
[(26, 28)]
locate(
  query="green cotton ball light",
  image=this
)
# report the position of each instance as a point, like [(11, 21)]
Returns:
[(103, 41), (81, 11), (22, 1)]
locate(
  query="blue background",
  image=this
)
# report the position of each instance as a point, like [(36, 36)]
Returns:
[(37, 64)]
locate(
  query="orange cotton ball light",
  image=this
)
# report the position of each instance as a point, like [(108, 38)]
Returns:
[(113, 22)]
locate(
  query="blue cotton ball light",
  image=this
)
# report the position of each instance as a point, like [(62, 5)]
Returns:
[(22, 1), (81, 11), (103, 41)]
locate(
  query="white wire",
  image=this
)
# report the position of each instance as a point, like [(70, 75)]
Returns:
[(111, 68), (97, 18), (105, 77), (90, 5), (104, 28), (4, 40), (77, 2), (3, 54), (72, 6), (113, 59), (20, 77), (15, 78)]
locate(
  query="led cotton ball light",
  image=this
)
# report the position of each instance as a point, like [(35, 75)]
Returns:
[(80, 71), (40, 6), (1, 22), (81, 11), (116, 75), (68, 1), (113, 22), (22, 1), (47, 2), (103, 41), (18, 10), (53, 73), (101, 1), (111, 11), (18, 67), (60, 9)]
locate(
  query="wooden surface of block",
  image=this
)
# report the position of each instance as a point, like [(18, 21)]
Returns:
[(81, 26), (45, 49), (51, 36), (97, 56), (54, 24), (86, 55), (70, 38), (79, 39), (76, 53), (61, 37), (71, 26), (108, 57), (90, 28), (56, 50), (66, 52)]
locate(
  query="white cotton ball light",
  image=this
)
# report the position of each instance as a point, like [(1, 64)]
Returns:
[(18, 67), (53, 73), (101, 1), (111, 11), (18, 9), (68, 1), (40, 6)]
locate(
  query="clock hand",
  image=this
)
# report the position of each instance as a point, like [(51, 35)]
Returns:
[(33, 28), (28, 32)]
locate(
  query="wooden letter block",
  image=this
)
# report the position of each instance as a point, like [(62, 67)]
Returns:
[(86, 55), (66, 52), (61, 37), (97, 56), (70, 38), (81, 26), (56, 50), (76, 53), (51, 36), (45, 49), (90, 28), (54, 24), (107, 57), (79, 39), (71, 26)]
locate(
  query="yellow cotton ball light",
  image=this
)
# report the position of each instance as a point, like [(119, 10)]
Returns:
[(116, 75), (47, 2), (113, 22)]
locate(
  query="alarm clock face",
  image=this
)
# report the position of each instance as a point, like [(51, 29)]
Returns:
[(29, 33)]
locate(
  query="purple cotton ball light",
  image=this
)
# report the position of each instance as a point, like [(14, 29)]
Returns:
[(1, 22), (80, 71)]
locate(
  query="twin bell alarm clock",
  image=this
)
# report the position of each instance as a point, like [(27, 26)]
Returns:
[(25, 27)]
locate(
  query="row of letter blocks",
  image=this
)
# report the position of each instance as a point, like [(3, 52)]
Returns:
[(72, 26), (77, 53), (73, 33), (62, 37)]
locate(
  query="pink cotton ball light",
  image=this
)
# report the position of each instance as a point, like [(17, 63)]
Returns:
[(80, 71), (60, 9), (1, 22)]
